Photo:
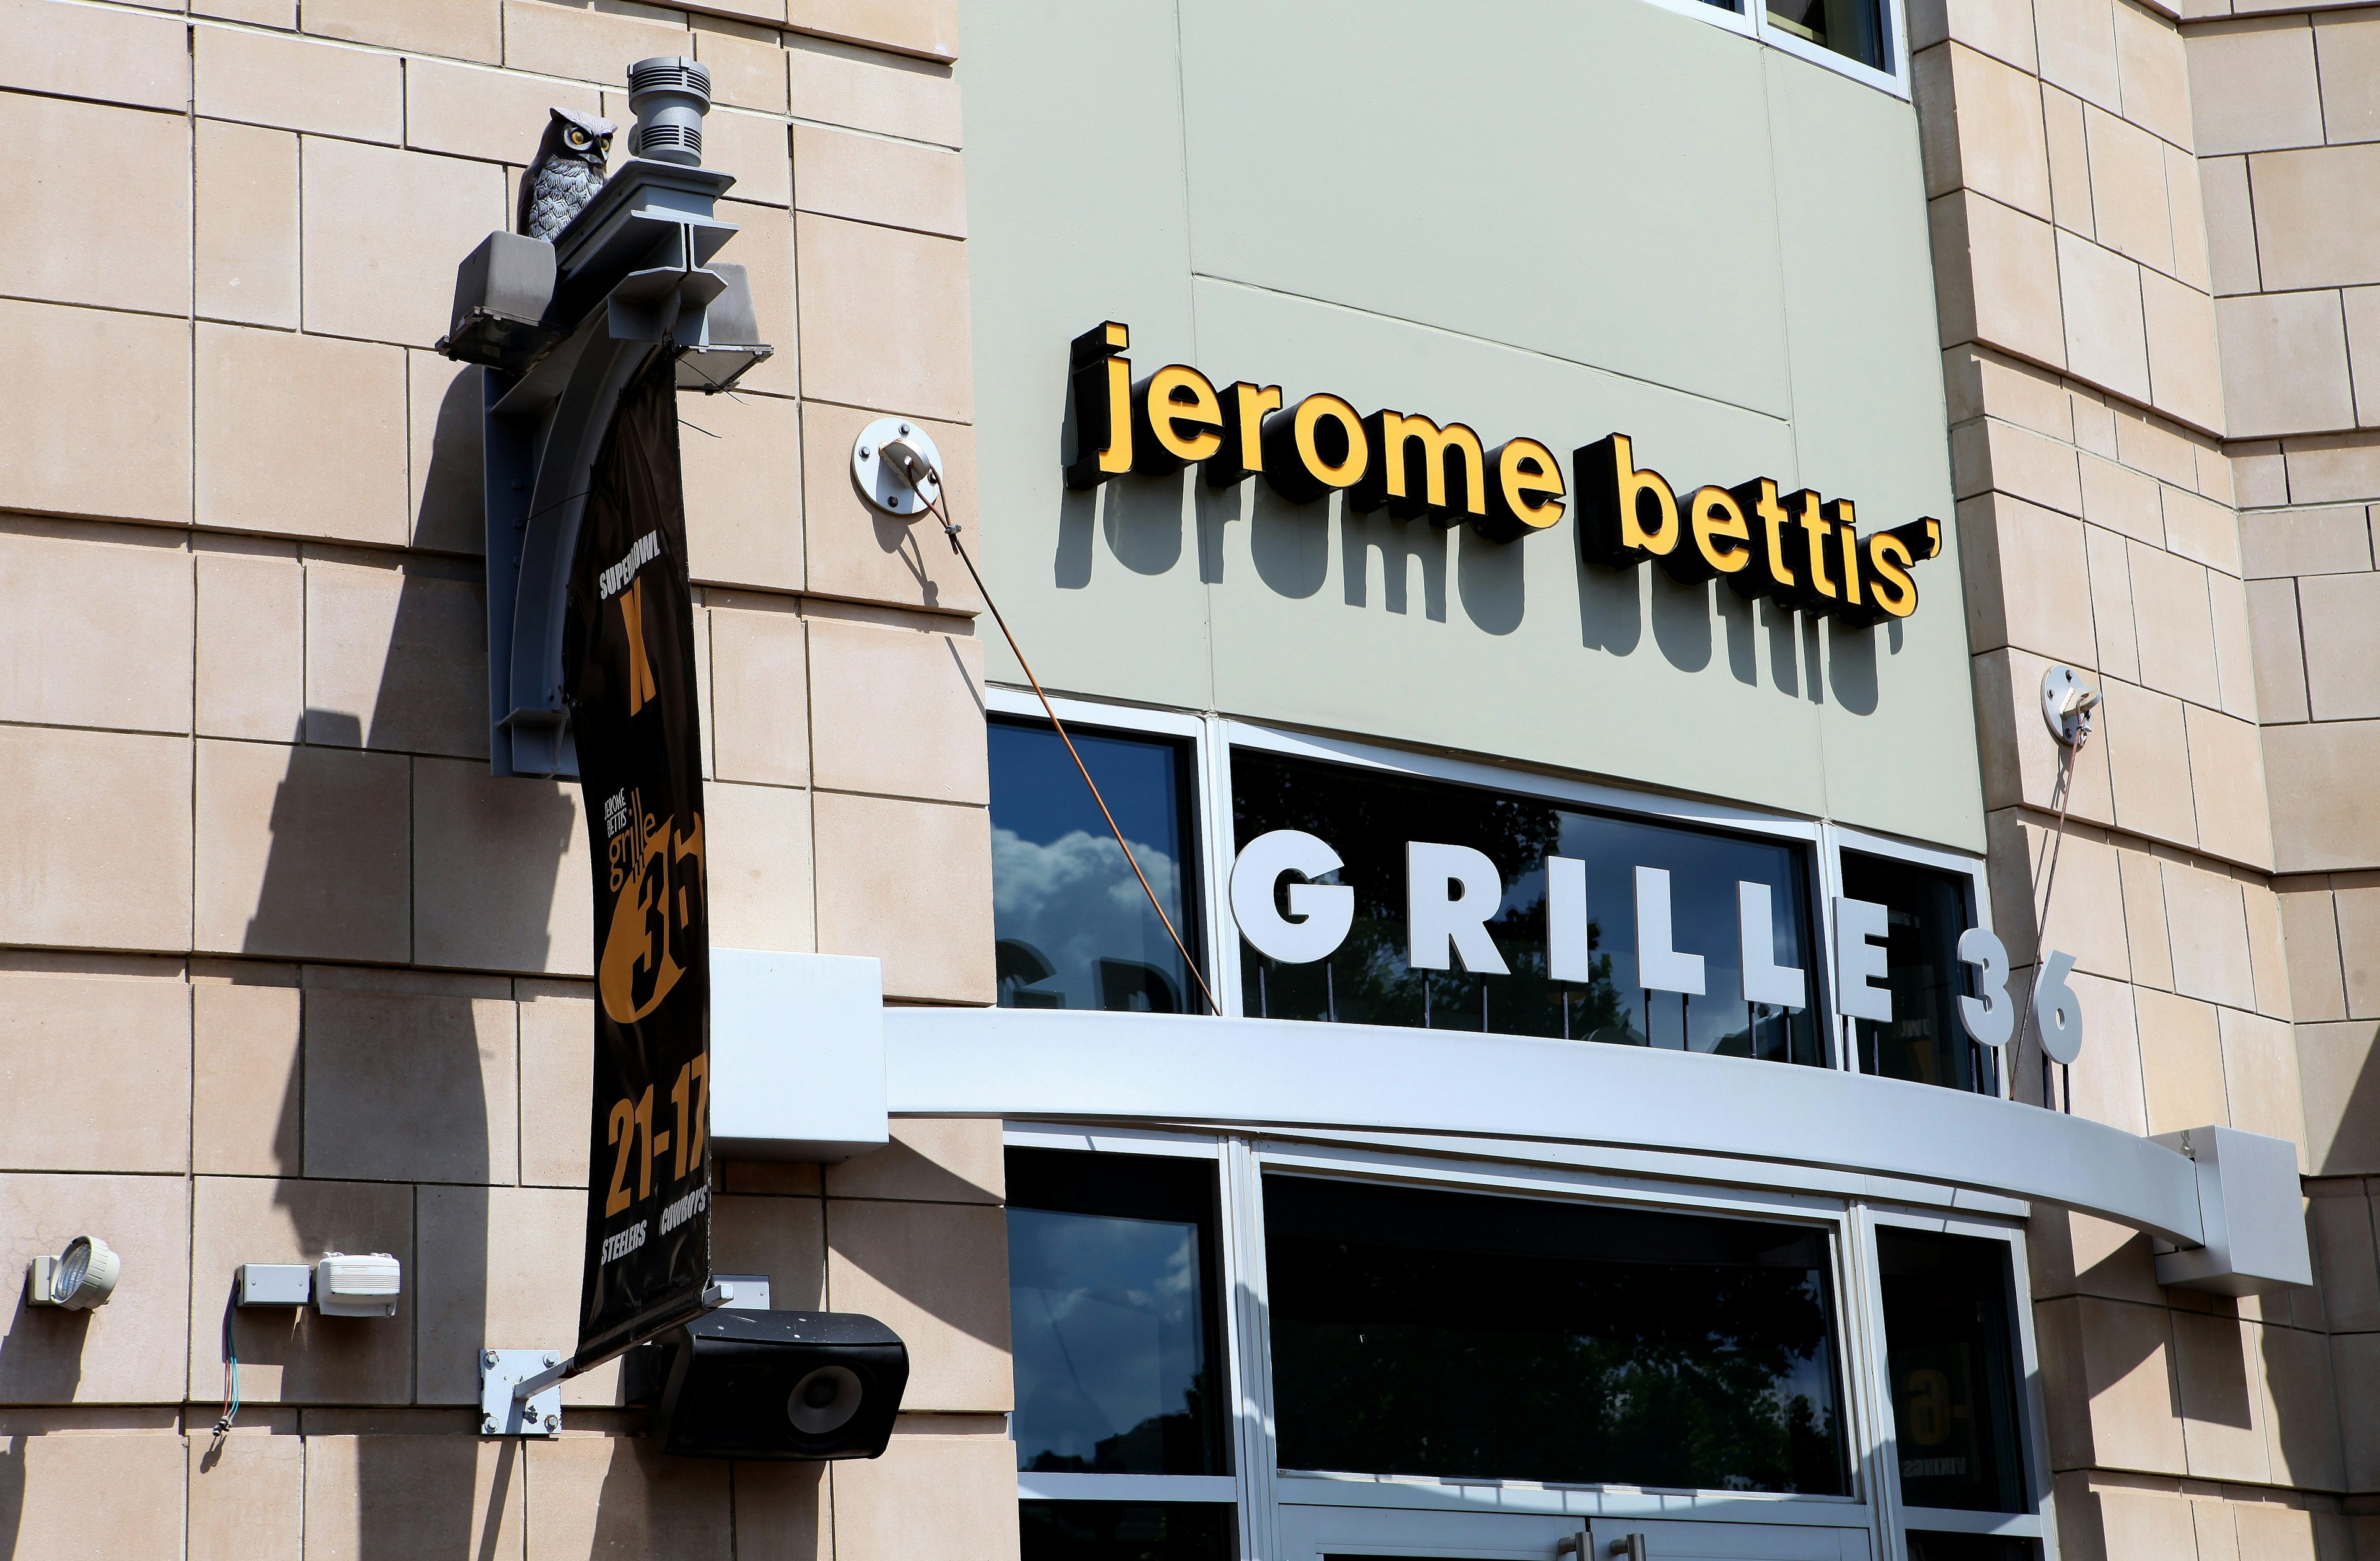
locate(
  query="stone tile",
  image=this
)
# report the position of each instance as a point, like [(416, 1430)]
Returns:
[(2106, 340), (553, 40), (130, 1350), (246, 247), (746, 63), (297, 84), (2141, 1522), (2267, 951), (102, 633), (2230, 225), (609, 1495), (81, 52), (489, 115), (2340, 1078), (2175, 625), (62, 151), (2127, 1370), (302, 852), (297, 1356), (2341, 642), (2017, 392), (2319, 776), (2181, 1062), (782, 1512), (757, 148), (872, 852), (857, 551), (252, 641), (930, 30), (300, 436), (759, 695), (2356, 1360), (782, 1238), (246, 1084), (502, 875), (2329, 470), (371, 1496), (395, 658), (927, 1495), (2116, 649), (2128, 201), (2284, 363), (117, 1491), (2028, 581), (2222, 1396), (1993, 454), (109, 382), (2307, 233), (469, 30), (2317, 984), (2185, 368), (2153, 72), (2058, 1332), (2105, 1083), (2259, 474), (2345, 1264), (744, 490), (2269, 1532), (2087, 919), (2003, 30), (2255, 86), (2191, 265), (2121, 499), (937, 1274), (775, 1179), (2347, 59), (408, 1087), (868, 91), (761, 894), (2022, 761), (894, 183), (109, 870), (384, 231), (2146, 935), (932, 1159), (2073, 1254), (851, 273), (2148, 758), (248, 1500), (765, 249), (2260, 1075), (2357, 910), (282, 13), (449, 485), (2362, 306), (2147, 442), (2069, 160), (2005, 293), (898, 712), (489, 1259), (2325, 541), (2078, 50), (2227, 782), (557, 1063), (2280, 664), (2208, 930), (61, 1033), (2235, 668)]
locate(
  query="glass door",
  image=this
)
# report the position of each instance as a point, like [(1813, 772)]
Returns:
[(1357, 1534)]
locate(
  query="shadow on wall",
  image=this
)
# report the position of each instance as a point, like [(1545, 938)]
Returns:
[(390, 847), (1141, 520)]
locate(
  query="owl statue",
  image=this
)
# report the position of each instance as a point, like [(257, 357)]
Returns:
[(565, 173)]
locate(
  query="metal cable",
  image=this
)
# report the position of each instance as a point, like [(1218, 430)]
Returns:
[(2065, 793)]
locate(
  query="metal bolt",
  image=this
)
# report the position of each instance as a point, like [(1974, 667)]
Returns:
[(549, 1357), (553, 1423), (865, 453), (490, 1356), (487, 1426), (905, 429)]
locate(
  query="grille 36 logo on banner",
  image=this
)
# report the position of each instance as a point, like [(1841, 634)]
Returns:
[(629, 653)]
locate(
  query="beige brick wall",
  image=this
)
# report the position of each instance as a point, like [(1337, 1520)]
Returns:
[(2099, 215), (261, 992)]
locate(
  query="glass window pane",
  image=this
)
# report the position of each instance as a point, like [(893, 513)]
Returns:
[(1927, 911), (1972, 1547), (1948, 1347), (1368, 817), (1113, 1313), (1117, 1531), (1074, 925), (1848, 27), (1462, 1335)]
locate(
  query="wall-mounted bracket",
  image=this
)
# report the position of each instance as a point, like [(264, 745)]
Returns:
[(520, 1392)]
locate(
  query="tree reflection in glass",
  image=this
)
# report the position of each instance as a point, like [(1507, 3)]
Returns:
[(1468, 1335), (1367, 816), (1111, 1302)]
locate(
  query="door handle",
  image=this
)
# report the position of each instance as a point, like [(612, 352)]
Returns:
[(1627, 1547)]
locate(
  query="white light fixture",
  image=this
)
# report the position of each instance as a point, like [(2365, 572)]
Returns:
[(362, 1285), (79, 1278)]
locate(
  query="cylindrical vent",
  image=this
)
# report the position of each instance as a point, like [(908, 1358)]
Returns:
[(669, 96)]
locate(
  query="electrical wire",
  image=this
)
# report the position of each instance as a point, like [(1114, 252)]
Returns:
[(231, 1375), (949, 528)]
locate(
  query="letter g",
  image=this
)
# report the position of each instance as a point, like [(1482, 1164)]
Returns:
[(1323, 913)]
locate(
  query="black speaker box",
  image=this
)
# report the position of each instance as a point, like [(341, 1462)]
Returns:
[(772, 1384)]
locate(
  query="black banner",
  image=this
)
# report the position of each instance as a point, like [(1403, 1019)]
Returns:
[(628, 655)]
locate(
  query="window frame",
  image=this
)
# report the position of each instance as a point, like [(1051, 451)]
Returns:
[(1849, 1215), (1753, 23)]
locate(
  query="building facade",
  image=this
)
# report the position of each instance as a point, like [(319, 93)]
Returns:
[(1528, 1170)]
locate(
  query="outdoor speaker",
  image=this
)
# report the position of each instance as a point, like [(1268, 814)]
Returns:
[(772, 1384)]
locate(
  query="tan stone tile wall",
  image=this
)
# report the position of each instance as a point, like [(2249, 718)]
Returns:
[(282, 968)]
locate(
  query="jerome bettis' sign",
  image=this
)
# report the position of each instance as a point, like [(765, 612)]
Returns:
[(1798, 549)]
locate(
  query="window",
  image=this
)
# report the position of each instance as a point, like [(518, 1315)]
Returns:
[(1952, 1368), (1464, 1334), (1074, 926), (1926, 912), (1117, 1531), (1367, 816), (1854, 29), (1112, 1304)]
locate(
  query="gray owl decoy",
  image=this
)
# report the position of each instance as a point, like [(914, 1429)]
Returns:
[(565, 173)]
